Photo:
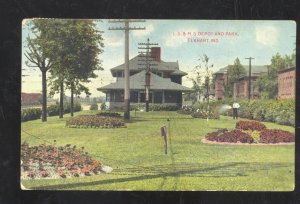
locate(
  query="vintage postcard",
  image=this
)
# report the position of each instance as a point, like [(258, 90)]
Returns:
[(158, 105)]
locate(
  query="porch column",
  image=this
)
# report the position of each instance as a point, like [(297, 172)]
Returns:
[(153, 97), (139, 97), (163, 96)]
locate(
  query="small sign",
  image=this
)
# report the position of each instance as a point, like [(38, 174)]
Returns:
[(163, 130)]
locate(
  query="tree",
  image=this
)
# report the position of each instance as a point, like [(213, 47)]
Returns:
[(201, 77), (37, 56), (234, 72), (267, 83), (76, 51)]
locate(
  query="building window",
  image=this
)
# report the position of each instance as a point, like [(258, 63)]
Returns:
[(171, 97), (158, 97), (134, 96)]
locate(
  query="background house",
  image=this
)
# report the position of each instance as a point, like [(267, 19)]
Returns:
[(220, 83), (240, 88), (287, 83), (31, 98), (165, 82)]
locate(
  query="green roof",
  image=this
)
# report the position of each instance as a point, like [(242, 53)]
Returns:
[(134, 64), (255, 69), (137, 82)]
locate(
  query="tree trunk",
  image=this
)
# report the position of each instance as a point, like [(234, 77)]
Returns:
[(72, 100), (61, 100), (44, 97)]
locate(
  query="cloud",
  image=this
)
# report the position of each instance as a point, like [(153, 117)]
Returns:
[(114, 41), (140, 33), (267, 35)]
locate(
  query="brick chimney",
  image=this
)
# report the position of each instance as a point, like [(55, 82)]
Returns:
[(155, 53)]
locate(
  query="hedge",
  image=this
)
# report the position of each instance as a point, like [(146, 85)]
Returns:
[(200, 111), (30, 114), (268, 110), (154, 107), (53, 110)]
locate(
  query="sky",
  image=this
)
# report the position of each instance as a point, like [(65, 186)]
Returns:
[(184, 41)]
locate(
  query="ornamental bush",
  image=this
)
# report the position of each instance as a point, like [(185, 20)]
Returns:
[(53, 110), (94, 106), (94, 121), (30, 114)]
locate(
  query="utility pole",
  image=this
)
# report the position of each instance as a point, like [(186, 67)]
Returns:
[(147, 63), (249, 87), (126, 28)]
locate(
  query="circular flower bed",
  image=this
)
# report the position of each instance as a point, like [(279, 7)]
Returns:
[(49, 161), (251, 132), (94, 121)]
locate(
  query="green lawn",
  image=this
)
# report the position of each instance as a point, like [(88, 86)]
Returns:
[(136, 154)]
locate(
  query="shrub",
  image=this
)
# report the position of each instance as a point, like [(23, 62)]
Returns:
[(67, 107), (250, 125), (206, 114), (94, 106), (186, 110), (30, 114), (137, 106), (94, 121), (53, 110), (276, 136), (103, 106), (109, 114), (233, 136)]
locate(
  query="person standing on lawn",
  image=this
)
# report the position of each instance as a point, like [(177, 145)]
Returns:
[(235, 107)]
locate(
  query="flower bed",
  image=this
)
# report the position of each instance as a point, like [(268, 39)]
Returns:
[(276, 136), (94, 121), (185, 111), (251, 132), (250, 125), (233, 136), (50, 161), (205, 114)]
